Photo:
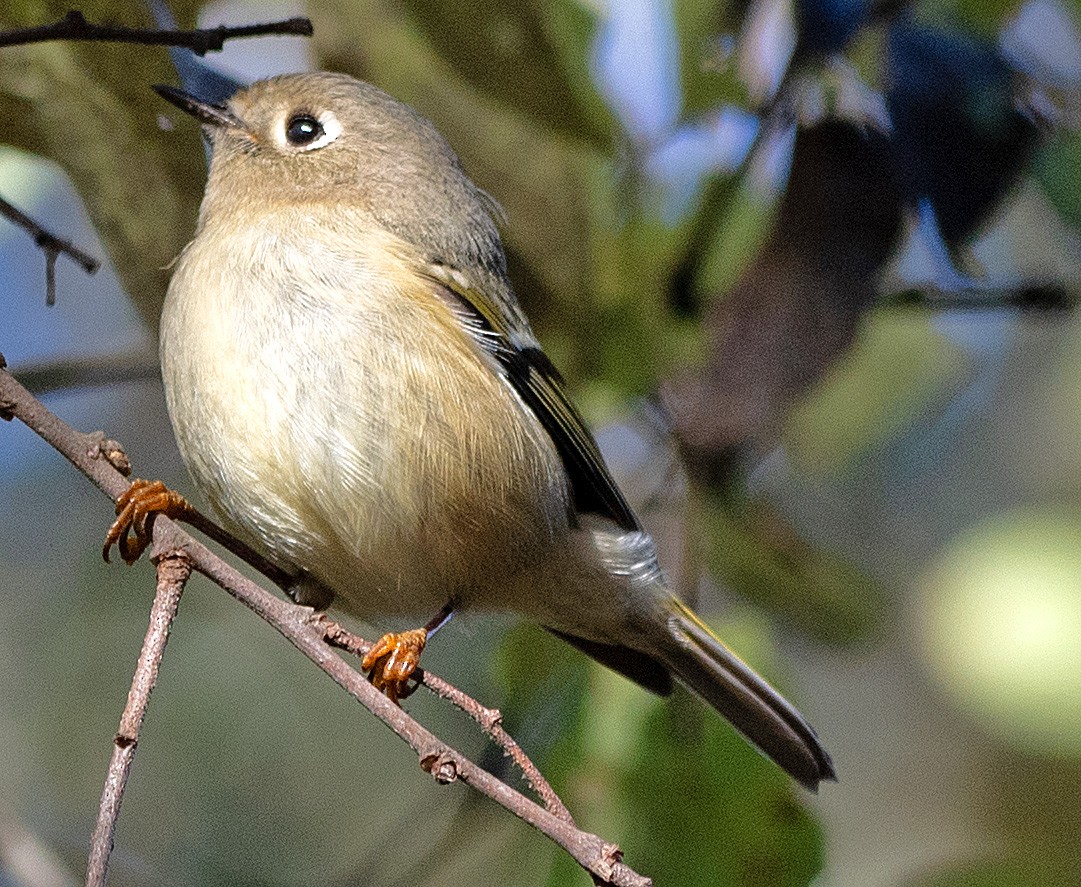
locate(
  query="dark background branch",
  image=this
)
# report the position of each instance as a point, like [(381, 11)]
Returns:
[(49, 244), (48, 376), (74, 26)]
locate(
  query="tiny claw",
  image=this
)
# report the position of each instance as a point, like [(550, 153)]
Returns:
[(390, 663), (135, 510)]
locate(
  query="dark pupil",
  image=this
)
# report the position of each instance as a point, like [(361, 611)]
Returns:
[(303, 130)]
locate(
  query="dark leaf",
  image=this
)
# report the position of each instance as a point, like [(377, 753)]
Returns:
[(796, 309)]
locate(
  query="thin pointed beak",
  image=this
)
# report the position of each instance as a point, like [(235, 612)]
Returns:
[(211, 115)]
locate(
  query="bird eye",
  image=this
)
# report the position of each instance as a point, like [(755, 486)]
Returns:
[(302, 130)]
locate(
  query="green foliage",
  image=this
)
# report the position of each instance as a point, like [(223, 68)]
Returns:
[(518, 53), (1058, 170), (707, 78), (752, 549), (899, 366), (734, 820)]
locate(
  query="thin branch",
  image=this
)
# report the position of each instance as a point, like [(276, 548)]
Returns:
[(305, 630), (173, 572), (489, 719), (250, 556), (49, 244), (1034, 298), (74, 26)]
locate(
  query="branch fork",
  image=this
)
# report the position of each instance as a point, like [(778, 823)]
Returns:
[(176, 554)]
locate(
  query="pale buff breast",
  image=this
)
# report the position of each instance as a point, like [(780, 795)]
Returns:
[(339, 419)]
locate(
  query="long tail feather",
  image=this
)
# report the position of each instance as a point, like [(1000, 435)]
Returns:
[(699, 659)]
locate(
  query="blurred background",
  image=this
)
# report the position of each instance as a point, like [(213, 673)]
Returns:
[(809, 267)]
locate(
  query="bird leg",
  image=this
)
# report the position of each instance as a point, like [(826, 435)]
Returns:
[(135, 510), (394, 658), (391, 662)]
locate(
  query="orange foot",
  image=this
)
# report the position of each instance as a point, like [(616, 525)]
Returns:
[(135, 508), (392, 661)]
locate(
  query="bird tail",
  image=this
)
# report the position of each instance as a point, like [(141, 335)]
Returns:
[(698, 658)]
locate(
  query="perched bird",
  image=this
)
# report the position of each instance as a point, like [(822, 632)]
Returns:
[(356, 391)]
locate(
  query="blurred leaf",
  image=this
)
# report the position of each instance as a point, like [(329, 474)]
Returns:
[(1058, 170), (89, 108), (960, 138), (796, 309), (544, 690), (708, 80), (752, 550), (900, 366), (632, 336), (739, 228), (1032, 808), (717, 240), (506, 50), (708, 810), (981, 17), (546, 703)]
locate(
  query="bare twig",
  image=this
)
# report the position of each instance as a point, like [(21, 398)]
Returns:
[(489, 719), (1046, 297), (74, 26), (49, 244), (305, 629), (174, 568), (247, 554)]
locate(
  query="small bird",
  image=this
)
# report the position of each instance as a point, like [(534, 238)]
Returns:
[(358, 394)]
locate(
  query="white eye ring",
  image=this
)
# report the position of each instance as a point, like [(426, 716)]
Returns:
[(295, 129)]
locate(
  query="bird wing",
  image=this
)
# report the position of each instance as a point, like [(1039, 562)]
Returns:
[(504, 335), (502, 332)]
